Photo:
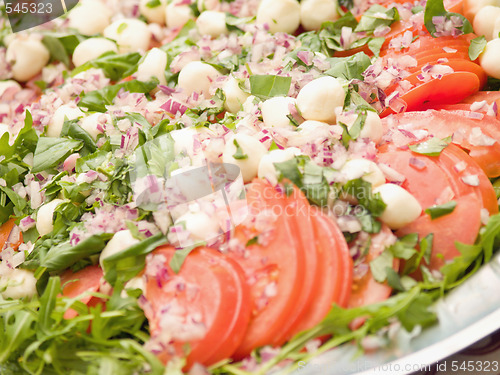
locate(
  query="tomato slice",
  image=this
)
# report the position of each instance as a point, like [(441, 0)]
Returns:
[(274, 266), (5, 232), (205, 305), (334, 272), (75, 284)]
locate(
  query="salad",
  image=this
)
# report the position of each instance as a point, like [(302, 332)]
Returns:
[(237, 186)]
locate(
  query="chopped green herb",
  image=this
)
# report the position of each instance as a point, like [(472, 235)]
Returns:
[(441, 210), (239, 154)]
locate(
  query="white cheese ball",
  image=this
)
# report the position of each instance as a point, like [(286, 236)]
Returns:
[(153, 65), (91, 123), (200, 225), (314, 12), (208, 5), (267, 169), (365, 169), (154, 14), (402, 207), (279, 15), (484, 22), (372, 127), (90, 18), (212, 23), (235, 96), (121, 240), (130, 34), (91, 49), (177, 14), (5, 85), (275, 111), (251, 147), (18, 284), (490, 58), (471, 7), (318, 99), (45, 217), (197, 76), (27, 57), (4, 128), (62, 113)]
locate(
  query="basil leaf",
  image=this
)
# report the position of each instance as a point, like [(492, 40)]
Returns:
[(441, 210), (153, 3), (380, 264), (61, 47), (75, 131), (418, 313), (377, 16), (432, 147), (424, 253), (179, 257), (477, 46), (25, 142), (15, 198), (52, 151), (362, 191), (239, 154), (16, 328), (268, 86), (393, 280), (435, 8), (350, 67), (115, 66), (404, 248), (290, 170)]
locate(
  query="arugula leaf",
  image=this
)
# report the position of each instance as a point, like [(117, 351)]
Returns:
[(418, 313), (239, 154), (153, 3), (16, 328), (377, 16), (431, 147), (350, 67), (52, 151), (179, 257), (425, 252), (437, 211), (435, 8), (115, 66), (268, 86), (477, 46), (404, 248), (380, 264)]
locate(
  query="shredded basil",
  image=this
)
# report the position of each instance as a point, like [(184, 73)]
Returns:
[(268, 86), (432, 147), (435, 8), (441, 210), (239, 154), (477, 46)]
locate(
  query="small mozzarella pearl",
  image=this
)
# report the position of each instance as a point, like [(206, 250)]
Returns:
[(153, 14), (153, 66), (89, 18), (471, 7), (252, 148), (200, 225), (402, 207), (235, 97), (314, 12), (208, 5), (27, 57), (279, 15), (490, 58), (44, 218), (56, 123), (275, 111), (120, 241), (130, 34), (372, 127), (197, 76), (177, 14), (318, 99), (19, 283), (484, 22), (91, 49), (365, 169), (266, 166), (212, 23), (5, 85), (91, 123), (4, 128)]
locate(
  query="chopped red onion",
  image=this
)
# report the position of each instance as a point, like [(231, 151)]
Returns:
[(471, 180)]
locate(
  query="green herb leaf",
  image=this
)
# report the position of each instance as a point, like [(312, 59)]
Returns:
[(52, 151), (432, 147), (418, 313), (350, 67), (61, 47), (362, 191), (268, 86), (377, 16), (441, 210), (477, 46), (75, 131), (290, 170), (179, 257), (153, 3), (115, 66), (239, 154), (393, 280), (435, 8), (25, 142), (380, 264)]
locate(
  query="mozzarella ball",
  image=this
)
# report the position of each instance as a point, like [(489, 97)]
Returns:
[(62, 113), (92, 123), (89, 18), (252, 149), (121, 240), (402, 207), (4, 128), (314, 12), (153, 65), (197, 76), (18, 284), (471, 7), (130, 34), (136, 283), (177, 14), (154, 14), (490, 58), (27, 57), (200, 225), (484, 22), (235, 96), (279, 15), (372, 127), (5, 85), (267, 169), (365, 169), (318, 99), (208, 5), (91, 49), (212, 23), (45, 217), (275, 111)]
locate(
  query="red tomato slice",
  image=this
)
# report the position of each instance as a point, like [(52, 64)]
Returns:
[(275, 270), (75, 284), (5, 231), (334, 272), (489, 96), (450, 89), (210, 290)]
